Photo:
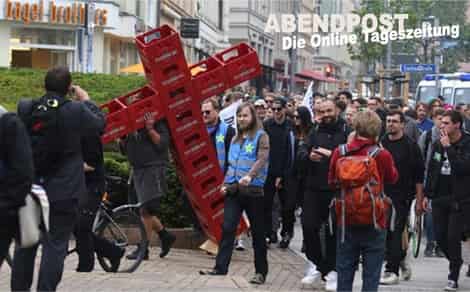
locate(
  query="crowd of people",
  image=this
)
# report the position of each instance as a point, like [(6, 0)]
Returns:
[(412, 150), (350, 167)]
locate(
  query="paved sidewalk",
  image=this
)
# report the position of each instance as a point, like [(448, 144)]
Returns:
[(179, 272)]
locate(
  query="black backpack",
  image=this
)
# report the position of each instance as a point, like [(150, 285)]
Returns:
[(46, 133)]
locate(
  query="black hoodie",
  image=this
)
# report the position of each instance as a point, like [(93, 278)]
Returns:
[(328, 137)]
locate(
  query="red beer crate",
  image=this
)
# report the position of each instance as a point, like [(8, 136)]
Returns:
[(191, 144), (199, 167), (141, 102), (181, 98), (211, 78), (207, 187), (185, 120), (241, 63), (117, 120), (163, 58)]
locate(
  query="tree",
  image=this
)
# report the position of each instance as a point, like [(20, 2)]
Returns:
[(418, 11)]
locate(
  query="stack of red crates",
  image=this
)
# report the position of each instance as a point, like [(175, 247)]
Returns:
[(175, 94), (168, 74)]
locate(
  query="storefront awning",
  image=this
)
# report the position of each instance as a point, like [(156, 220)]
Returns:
[(136, 68), (315, 75), (296, 79), (139, 68)]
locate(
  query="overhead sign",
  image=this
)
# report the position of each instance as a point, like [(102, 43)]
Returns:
[(190, 28), (430, 68), (49, 11)]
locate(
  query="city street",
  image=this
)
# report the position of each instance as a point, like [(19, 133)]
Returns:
[(179, 272)]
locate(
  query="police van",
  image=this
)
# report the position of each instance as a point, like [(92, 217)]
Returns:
[(455, 88)]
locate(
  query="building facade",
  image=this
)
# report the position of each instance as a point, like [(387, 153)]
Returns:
[(336, 59), (42, 34), (247, 24)]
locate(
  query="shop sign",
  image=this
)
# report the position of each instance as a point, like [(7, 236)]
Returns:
[(73, 14)]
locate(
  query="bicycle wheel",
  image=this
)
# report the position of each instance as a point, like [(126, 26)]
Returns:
[(123, 228), (8, 260), (417, 235)]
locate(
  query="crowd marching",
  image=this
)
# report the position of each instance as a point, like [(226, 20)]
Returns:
[(349, 168)]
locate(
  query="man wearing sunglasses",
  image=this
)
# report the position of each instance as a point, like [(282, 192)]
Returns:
[(220, 133), (281, 142), (410, 166)]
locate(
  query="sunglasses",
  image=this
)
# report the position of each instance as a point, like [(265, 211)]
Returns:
[(277, 109)]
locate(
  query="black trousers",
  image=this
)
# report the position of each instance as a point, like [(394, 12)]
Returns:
[(54, 249), (87, 242), (233, 208), (8, 231), (315, 213), (448, 234), (394, 252), (287, 201)]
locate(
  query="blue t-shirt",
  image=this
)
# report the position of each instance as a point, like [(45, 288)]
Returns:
[(425, 125)]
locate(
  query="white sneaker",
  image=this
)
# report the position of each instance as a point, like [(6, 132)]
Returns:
[(331, 281), (240, 246), (389, 279), (451, 286), (405, 270), (311, 274)]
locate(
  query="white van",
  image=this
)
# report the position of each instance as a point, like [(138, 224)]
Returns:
[(427, 91), (462, 90)]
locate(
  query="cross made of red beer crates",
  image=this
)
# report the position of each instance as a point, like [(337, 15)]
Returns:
[(174, 94)]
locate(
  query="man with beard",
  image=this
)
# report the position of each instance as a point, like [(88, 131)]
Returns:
[(321, 142), (248, 160), (410, 166)]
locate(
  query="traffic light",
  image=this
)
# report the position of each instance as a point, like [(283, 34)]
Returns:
[(328, 70)]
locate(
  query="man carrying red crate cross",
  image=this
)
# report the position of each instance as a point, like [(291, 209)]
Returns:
[(174, 94)]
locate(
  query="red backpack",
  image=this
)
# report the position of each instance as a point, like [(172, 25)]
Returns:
[(362, 200)]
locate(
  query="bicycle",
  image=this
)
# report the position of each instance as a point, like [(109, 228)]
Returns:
[(415, 229), (119, 223)]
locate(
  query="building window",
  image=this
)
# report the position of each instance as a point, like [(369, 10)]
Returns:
[(42, 48)]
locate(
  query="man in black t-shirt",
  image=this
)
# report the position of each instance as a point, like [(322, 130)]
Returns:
[(410, 166)]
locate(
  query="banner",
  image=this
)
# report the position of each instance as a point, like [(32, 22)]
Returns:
[(308, 99)]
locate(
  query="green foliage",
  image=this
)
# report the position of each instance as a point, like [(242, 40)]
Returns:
[(116, 164), (174, 212), (29, 83)]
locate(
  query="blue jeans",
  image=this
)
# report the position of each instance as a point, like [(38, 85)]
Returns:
[(429, 227), (360, 241)]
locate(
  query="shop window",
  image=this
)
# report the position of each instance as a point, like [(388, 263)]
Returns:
[(43, 36)]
